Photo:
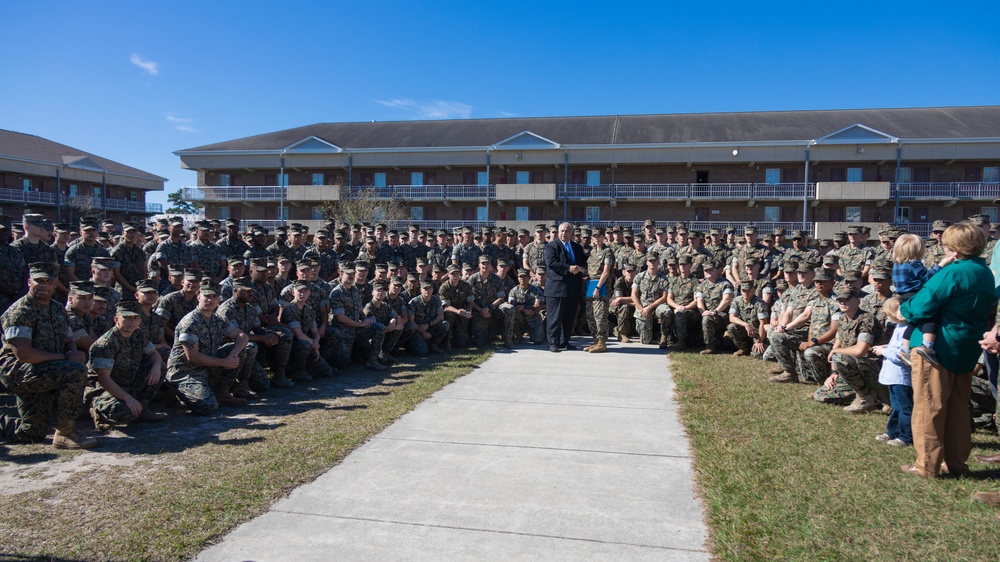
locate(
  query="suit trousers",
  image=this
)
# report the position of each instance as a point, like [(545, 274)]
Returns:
[(560, 317)]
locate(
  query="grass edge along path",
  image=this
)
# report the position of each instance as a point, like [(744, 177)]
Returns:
[(170, 506), (784, 477)]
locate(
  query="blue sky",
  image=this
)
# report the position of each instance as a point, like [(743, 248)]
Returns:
[(135, 81)]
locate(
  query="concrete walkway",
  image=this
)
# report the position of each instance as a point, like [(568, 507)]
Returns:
[(533, 456)]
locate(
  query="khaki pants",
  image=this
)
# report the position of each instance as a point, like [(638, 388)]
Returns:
[(942, 429)]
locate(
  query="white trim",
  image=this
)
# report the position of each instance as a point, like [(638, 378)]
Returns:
[(290, 149), (499, 145), (827, 139)]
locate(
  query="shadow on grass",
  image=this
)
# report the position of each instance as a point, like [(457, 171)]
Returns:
[(8, 454), (19, 558)]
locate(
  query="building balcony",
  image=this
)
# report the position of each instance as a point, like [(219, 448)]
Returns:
[(947, 190), (242, 193), (130, 206), (526, 192), (687, 191), (852, 191), (425, 192), (27, 197)]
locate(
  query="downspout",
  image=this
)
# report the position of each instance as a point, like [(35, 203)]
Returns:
[(805, 195), (899, 158), (281, 190), (104, 195), (488, 186), (58, 191), (565, 184), (350, 172)]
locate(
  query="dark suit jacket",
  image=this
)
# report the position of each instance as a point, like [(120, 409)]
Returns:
[(559, 282)]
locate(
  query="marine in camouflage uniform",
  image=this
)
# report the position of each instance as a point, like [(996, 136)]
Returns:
[(464, 253), (304, 362), (536, 255), (211, 258), (129, 359), (855, 259), (45, 328), (786, 343), (457, 294), (521, 314), (81, 255), (813, 364), (427, 308), (753, 312), (487, 288), (401, 306), (324, 256), (439, 256), (176, 252), (600, 261), (712, 294), (649, 289), (624, 312), (857, 376), (384, 314), (176, 305), (199, 387), (246, 316), (681, 319), (11, 267), (131, 263), (349, 330)]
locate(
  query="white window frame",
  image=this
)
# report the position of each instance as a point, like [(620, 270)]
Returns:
[(991, 174), (96, 192), (482, 179), (378, 179), (902, 215), (772, 176), (225, 180), (318, 178), (593, 214), (481, 214), (852, 214), (593, 178), (224, 213), (416, 213), (416, 178), (133, 196), (521, 213), (522, 177), (772, 214), (855, 175)]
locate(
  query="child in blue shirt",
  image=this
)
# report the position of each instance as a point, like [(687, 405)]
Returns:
[(908, 277), (895, 375)]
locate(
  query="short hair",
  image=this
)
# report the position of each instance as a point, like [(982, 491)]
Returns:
[(891, 309), (908, 247), (967, 240)]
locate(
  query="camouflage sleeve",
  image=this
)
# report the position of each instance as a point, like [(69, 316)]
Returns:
[(102, 356), (337, 297), (187, 331), (866, 329), (290, 316), (18, 322)]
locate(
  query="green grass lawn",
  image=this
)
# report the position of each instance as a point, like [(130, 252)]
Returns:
[(784, 477), (198, 478)]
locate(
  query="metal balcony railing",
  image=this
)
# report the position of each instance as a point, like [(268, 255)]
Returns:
[(435, 225), (705, 226), (33, 197), (243, 193), (425, 192), (946, 190), (706, 191)]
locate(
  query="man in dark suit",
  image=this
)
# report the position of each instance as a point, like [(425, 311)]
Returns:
[(565, 265)]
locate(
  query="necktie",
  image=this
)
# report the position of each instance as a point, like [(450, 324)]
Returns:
[(569, 250)]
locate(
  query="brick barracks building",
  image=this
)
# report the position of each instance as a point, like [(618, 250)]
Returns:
[(820, 169), (63, 183)]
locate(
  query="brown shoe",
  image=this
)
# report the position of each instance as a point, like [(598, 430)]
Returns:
[(776, 370), (989, 459), (599, 347), (229, 401), (376, 366), (739, 353), (72, 440), (147, 415), (99, 423), (785, 376), (244, 393), (910, 469), (861, 405), (991, 499)]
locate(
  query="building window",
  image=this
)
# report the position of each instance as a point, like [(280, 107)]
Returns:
[(772, 214), (853, 214), (903, 215), (224, 180), (854, 174), (416, 178), (905, 175), (379, 179), (317, 213), (26, 184), (317, 179), (97, 192), (991, 174), (73, 190), (593, 178), (523, 177), (593, 214), (991, 212), (282, 180), (416, 213), (133, 196), (772, 176), (223, 213), (482, 178), (521, 213), (481, 214)]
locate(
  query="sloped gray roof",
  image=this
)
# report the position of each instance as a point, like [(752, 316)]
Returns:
[(914, 123), (32, 147)]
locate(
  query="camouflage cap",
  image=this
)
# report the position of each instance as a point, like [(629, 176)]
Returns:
[(101, 293), (484, 259), (798, 235), (854, 229), (468, 266), (825, 243), (427, 285), (347, 267), (81, 288), (104, 263), (824, 274), (805, 267), (192, 273), (454, 269), (259, 264), (209, 287), (523, 272), (749, 229), (684, 260), (978, 220), (672, 261), (747, 286), (412, 277), (234, 260), (129, 308), (649, 222), (301, 285), (173, 270), (751, 260), (845, 293), (541, 270), (852, 276), (242, 283), (881, 274), (940, 225), (33, 219), (146, 285), (779, 232), (653, 256), (781, 284), (628, 267), (43, 270), (380, 287)]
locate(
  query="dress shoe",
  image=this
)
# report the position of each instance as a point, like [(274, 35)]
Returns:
[(989, 459), (569, 347), (554, 348)]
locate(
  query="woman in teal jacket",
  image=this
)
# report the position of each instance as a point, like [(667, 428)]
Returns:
[(958, 299)]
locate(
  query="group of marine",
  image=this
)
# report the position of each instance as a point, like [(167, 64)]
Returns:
[(107, 318)]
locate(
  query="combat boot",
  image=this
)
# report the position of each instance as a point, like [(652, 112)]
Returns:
[(67, 438), (281, 381), (776, 370), (599, 347), (226, 399), (374, 365), (147, 415), (785, 376), (99, 423), (991, 499), (242, 390), (862, 404)]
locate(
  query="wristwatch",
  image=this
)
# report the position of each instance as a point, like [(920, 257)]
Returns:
[(815, 341)]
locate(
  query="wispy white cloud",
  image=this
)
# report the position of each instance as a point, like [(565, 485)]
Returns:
[(503, 113), (182, 124), (150, 67), (430, 109)]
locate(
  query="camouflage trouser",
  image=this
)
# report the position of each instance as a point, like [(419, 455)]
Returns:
[(363, 342), (644, 326), (114, 411), (485, 329), (195, 388), (861, 373), (516, 323), (624, 319), (459, 331), (741, 339), (582, 326), (683, 324), (712, 329), (275, 358), (597, 317), (786, 348), (417, 345), (813, 364), (35, 386), (841, 394), (303, 359), (392, 339)]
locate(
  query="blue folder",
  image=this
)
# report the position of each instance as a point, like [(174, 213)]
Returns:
[(592, 284)]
